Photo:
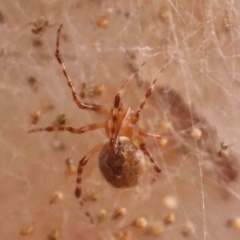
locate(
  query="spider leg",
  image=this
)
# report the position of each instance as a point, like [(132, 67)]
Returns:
[(81, 165), (147, 153), (148, 94), (84, 129), (76, 98), (115, 111), (152, 135), (162, 139), (142, 147)]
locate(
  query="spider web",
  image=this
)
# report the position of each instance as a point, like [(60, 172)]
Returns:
[(195, 103)]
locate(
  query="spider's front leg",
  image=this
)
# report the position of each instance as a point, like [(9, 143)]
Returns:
[(116, 110), (89, 106), (148, 94)]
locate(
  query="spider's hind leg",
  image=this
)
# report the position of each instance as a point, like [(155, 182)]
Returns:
[(81, 165), (147, 153), (142, 147)]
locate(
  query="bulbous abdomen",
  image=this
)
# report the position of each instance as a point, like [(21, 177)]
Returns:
[(124, 168)]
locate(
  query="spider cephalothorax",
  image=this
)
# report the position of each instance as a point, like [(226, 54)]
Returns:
[(121, 159)]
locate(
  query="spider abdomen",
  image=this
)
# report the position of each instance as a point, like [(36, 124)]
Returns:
[(124, 168)]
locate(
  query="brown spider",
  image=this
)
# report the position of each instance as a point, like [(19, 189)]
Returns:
[(121, 159)]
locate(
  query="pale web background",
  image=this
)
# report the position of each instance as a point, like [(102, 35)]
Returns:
[(196, 102)]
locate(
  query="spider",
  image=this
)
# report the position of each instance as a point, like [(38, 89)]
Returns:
[(121, 158)]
